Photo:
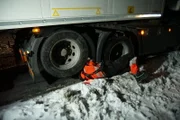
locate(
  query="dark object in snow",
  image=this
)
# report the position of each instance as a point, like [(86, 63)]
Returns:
[(71, 93), (109, 80), (141, 76), (120, 96), (45, 109), (39, 102)]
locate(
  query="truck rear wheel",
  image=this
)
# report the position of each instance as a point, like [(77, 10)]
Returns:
[(117, 48), (64, 53)]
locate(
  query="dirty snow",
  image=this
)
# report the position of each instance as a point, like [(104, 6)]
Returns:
[(118, 98)]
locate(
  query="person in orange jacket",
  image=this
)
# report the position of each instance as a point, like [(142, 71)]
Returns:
[(91, 71)]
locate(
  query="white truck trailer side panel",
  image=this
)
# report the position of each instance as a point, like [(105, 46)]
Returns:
[(32, 13), (14, 10)]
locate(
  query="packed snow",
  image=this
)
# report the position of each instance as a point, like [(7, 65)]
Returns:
[(118, 98)]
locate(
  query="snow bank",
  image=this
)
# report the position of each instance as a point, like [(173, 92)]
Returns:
[(118, 98)]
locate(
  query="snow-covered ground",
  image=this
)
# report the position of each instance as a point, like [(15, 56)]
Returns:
[(118, 98)]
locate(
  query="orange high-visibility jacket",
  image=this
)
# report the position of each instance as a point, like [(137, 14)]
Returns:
[(134, 69), (92, 70)]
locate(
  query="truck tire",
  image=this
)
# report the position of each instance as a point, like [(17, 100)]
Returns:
[(117, 48), (64, 53)]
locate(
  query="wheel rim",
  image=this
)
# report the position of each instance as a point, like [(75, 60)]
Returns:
[(65, 54), (118, 50)]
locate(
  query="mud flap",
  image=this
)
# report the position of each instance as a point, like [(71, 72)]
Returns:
[(33, 65)]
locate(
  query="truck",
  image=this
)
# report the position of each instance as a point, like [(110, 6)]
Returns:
[(55, 38)]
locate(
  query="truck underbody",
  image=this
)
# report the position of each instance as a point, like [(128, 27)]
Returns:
[(101, 42)]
